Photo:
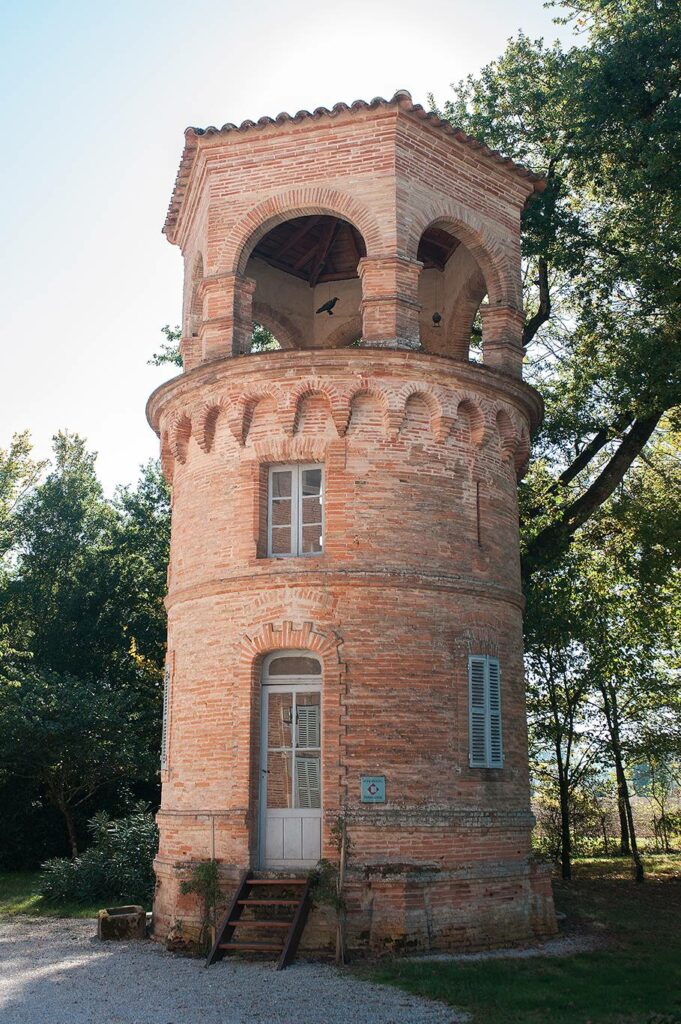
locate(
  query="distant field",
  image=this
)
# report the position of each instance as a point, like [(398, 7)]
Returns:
[(635, 980)]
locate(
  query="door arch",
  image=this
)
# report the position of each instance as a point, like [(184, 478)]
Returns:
[(290, 820)]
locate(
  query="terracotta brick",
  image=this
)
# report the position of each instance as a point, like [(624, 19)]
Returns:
[(420, 566)]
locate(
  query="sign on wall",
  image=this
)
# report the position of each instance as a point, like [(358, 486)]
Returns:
[(372, 789)]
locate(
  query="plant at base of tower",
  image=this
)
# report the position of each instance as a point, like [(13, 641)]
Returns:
[(329, 880), (205, 883)]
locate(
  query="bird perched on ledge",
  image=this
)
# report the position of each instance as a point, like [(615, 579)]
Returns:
[(328, 306)]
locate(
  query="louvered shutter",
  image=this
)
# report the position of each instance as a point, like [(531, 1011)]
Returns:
[(164, 727), (477, 708), (308, 725), (496, 754), (308, 782)]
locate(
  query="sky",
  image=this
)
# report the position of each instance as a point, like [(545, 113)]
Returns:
[(94, 99)]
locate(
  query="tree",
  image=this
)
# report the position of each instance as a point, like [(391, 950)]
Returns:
[(262, 340), (83, 589), (71, 736), (603, 338)]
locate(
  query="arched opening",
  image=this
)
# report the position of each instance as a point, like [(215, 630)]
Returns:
[(308, 292), (451, 289), (290, 760)]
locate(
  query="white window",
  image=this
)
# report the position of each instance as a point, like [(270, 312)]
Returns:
[(484, 714), (294, 510)]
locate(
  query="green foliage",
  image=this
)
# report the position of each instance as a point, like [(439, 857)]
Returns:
[(600, 120), (169, 353), (205, 883), (116, 868), (81, 596), (262, 340)]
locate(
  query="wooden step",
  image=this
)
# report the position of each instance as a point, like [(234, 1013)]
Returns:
[(251, 947), (278, 881), (288, 931), (242, 923), (268, 903)]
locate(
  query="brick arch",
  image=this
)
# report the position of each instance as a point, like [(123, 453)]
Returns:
[(335, 399), (243, 407), (469, 412), (392, 411), (179, 434), (438, 422), (521, 455), (286, 635), (500, 280), (205, 420), (506, 433), (297, 202), (278, 324), (345, 334)]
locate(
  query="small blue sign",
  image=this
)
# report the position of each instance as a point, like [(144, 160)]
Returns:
[(372, 789)]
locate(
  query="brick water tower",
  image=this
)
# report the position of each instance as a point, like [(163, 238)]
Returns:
[(344, 602)]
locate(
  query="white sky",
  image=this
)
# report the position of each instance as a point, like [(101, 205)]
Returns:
[(94, 99)]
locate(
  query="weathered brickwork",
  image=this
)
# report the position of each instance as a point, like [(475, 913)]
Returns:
[(420, 566)]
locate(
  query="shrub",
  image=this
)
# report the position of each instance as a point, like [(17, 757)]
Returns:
[(117, 868)]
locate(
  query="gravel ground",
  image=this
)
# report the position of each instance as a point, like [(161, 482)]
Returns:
[(54, 971)]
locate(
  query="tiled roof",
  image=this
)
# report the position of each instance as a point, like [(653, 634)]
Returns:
[(402, 98)]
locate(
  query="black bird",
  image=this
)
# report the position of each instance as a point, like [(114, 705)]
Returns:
[(328, 306), (437, 319)]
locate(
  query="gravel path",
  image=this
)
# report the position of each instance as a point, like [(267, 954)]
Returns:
[(53, 971)]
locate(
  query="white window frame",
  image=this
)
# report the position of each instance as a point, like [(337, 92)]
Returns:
[(296, 469), (488, 711)]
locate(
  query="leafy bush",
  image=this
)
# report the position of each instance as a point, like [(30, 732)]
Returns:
[(117, 868)]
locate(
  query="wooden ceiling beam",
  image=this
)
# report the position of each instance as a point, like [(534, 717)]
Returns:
[(297, 236), (325, 243)]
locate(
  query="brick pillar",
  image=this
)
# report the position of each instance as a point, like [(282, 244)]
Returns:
[(190, 350), (502, 339), (227, 315), (390, 306)]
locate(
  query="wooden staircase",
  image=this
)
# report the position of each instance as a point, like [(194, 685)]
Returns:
[(284, 901)]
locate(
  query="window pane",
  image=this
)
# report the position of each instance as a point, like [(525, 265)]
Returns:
[(281, 540), (281, 484), (312, 538), (279, 720), (281, 512), (311, 481), (312, 510), (279, 788), (294, 665), (308, 780)]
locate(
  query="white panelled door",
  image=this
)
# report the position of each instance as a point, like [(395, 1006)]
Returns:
[(290, 769)]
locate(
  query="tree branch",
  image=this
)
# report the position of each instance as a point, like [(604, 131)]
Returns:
[(544, 311), (557, 535)]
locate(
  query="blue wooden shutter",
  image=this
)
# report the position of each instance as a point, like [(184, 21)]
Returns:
[(477, 711), (496, 754), (164, 728)]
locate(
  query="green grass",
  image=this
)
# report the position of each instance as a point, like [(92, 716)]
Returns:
[(635, 978), (19, 895)]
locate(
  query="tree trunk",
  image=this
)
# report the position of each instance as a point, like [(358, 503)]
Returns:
[(70, 829), (565, 832), (638, 863), (625, 848)]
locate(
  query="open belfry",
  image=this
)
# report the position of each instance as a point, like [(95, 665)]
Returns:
[(344, 599)]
